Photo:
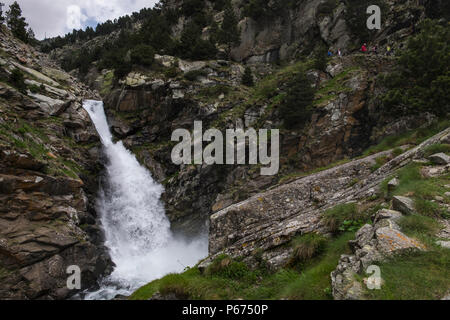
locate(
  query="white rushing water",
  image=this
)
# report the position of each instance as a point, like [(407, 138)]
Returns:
[(137, 231)]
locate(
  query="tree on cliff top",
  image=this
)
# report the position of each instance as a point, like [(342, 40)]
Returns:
[(2, 19), (16, 22), (229, 31)]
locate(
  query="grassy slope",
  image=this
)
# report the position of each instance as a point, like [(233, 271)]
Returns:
[(228, 279)]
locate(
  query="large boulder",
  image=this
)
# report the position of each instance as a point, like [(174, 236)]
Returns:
[(403, 204)]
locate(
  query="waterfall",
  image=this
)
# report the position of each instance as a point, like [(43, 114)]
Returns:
[(137, 231)]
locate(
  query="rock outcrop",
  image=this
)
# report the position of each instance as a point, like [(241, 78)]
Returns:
[(373, 243), (268, 220), (48, 178)]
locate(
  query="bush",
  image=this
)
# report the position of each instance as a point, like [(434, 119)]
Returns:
[(247, 78), (143, 55), (17, 80), (427, 55), (297, 107), (320, 59), (122, 70)]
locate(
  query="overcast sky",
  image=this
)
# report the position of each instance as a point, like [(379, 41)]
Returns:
[(57, 17)]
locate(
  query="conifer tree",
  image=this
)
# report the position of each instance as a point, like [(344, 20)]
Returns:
[(247, 78), (229, 31), (16, 22), (297, 107), (2, 18)]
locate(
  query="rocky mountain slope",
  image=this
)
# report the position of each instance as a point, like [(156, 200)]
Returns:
[(49, 173), (338, 160), (147, 105)]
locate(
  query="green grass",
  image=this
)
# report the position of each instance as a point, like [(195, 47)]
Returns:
[(415, 276), (333, 87), (232, 279), (345, 217), (307, 247), (314, 282), (437, 148), (107, 84), (422, 190), (413, 137), (379, 162)]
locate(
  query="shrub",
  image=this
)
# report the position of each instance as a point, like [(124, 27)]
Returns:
[(427, 55), (17, 80), (247, 78), (297, 107), (143, 55)]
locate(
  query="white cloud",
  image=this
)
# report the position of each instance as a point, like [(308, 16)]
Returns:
[(75, 18), (52, 18)]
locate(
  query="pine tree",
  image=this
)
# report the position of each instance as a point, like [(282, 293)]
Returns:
[(297, 107), (2, 19), (247, 78), (229, 31), (16, 22)]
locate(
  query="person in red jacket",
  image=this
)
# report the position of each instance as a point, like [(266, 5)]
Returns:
[(364, 48)]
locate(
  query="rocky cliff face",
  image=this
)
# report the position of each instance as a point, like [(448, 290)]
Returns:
[(48, 178), (148, 105)]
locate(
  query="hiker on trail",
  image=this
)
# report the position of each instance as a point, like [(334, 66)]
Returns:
[(375, 50), (364, 48), (388, 50), (339, 53), (330, 54)]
